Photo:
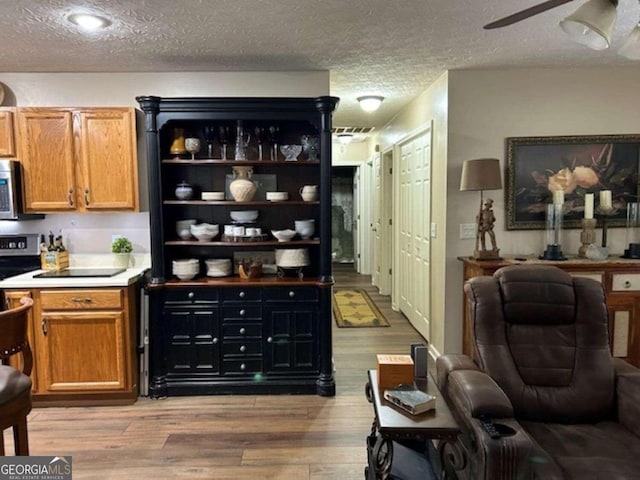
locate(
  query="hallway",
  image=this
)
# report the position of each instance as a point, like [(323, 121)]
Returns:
[(252, 437)]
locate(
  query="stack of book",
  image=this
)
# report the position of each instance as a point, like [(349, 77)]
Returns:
[(410, 399)]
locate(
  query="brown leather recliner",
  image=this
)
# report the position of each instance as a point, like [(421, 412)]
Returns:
[(544, 376)]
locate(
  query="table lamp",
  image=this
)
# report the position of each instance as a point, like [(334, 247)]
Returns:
[(483, 174)]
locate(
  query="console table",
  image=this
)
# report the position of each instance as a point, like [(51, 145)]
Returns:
[(619, 277), (414, 431)]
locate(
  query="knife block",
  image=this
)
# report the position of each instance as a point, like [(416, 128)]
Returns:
[(54, 260)]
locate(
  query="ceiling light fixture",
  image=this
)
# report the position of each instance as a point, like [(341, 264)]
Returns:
[(370, 103), (345, 138), (88, 22), (592, 23), (631, 48)]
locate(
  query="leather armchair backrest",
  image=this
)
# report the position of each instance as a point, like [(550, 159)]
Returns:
[(543, 337)]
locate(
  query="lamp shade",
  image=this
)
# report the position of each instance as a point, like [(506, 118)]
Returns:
[(592, 24), (631, 48), (481, 174), (370, 103)]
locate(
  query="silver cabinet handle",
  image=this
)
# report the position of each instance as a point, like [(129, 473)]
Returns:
[(241, 294), (270, 340), (43, 325), (242, 331), (243, 367), (86, 196), (81, 299), (191, 295), (243, 348), (292, 294), (215, 340), (70, 197), (242, 312)]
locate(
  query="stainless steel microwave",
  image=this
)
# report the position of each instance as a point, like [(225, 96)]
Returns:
[(11, 192)]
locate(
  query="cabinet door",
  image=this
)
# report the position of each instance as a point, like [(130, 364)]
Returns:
[(623, 328), (12, 298), (192, 340), (46, 152), (108, 159), (7, 146), (291, 338), (82, 351)]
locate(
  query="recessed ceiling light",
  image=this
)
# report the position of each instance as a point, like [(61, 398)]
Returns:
[(370, 103), (345, 138), (88, 22)]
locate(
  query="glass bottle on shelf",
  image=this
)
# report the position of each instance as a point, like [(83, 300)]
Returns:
[(177, 145), (633, 231)]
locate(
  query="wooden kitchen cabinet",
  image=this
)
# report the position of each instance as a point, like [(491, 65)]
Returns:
[(620, 279), (84, 345), (7, 144), (78, 159)]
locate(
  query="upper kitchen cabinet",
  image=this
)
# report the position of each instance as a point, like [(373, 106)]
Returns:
[(78, 159), (7, 145)]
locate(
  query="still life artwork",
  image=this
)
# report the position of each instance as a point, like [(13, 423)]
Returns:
[(576, 165)]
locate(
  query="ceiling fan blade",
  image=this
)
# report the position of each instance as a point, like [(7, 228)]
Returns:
[(524, 14)]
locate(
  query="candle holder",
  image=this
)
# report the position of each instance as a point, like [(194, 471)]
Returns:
[(633, 231), (587, 236), (553, 226), (604, 213)]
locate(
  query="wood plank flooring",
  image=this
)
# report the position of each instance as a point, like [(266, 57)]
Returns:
[(253, 437)]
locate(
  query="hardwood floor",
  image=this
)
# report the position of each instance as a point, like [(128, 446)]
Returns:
[(288, 437)]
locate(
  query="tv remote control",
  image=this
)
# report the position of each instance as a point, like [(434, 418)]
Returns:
[(489, 427)]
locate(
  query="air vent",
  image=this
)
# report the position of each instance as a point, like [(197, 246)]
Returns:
[(352, 130)]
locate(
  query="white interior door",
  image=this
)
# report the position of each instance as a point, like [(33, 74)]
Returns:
[(376, 225), (414, 220)]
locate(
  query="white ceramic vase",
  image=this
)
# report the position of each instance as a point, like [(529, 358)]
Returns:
[(242, 188)]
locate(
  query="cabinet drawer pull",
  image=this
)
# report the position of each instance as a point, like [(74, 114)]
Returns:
[(242, 312), (241, 294), (43, 325), (81, 299), (242, 331), (243, 367), (86, 196), (292, 294), (70, 197), (270, 340), (191, 295), (627, 284), (243, 348), (215, 340)]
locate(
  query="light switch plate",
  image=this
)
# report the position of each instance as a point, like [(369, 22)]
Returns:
[(467, 231)]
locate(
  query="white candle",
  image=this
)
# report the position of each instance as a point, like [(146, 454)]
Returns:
[(558, 197), (605, 199), (588, 205)]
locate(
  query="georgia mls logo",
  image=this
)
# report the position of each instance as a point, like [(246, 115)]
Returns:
[(35, 468)]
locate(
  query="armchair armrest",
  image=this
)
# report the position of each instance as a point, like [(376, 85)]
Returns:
[(627, 394), (478, 394), (445, 364)]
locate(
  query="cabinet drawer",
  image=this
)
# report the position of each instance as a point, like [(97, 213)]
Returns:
[(291, 294), (241, 295), (241, 330), (242, 366), (236, 348), (241, 312), (625, 282), (81, 299), (191, 295)]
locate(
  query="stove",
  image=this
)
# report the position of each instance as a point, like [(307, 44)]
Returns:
[(81, 272), (19, 254)]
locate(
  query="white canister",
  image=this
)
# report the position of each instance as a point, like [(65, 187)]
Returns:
[(238, 231), (228, 229)]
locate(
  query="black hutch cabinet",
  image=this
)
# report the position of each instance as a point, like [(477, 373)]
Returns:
[(271, 332)]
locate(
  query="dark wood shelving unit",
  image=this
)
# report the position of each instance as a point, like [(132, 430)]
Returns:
[(223, 335)]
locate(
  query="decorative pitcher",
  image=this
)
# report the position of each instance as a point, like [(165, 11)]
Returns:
[(242, 188), (242, 142)]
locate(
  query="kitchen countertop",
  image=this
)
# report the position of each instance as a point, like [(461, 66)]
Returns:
[(26, 280)]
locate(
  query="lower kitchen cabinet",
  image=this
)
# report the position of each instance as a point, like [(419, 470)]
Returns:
[(84, 344), (236, 340)]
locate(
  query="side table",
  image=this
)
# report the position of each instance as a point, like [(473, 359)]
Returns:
[(391, 424)]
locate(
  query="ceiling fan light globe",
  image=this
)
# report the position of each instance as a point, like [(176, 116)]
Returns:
[(591, 24), (370, 103), (631, 47)]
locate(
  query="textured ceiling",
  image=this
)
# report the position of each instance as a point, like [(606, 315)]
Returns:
[(392, 48)]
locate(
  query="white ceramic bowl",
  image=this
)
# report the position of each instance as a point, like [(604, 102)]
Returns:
[(204, 232), (212, 196), (185, 276), (305, 228), (292, 257), (183, 228), (244, 215), (277, 196), (283, 235), (218, 267)]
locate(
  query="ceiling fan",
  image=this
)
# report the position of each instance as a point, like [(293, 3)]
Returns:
[(590, 25)]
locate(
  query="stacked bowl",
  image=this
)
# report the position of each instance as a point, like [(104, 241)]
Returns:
[(204, 232), (186, 269), (218, 267)]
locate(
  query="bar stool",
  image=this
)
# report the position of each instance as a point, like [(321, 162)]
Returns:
[(15, 385)]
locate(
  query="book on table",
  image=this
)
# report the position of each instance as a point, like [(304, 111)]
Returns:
[(410, 399)]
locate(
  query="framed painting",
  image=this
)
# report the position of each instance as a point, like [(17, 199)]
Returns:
[(577, 165)]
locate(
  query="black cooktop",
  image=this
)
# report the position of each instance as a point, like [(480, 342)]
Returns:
[(81, 272)]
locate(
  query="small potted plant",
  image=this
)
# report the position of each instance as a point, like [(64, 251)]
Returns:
[(122, 248)]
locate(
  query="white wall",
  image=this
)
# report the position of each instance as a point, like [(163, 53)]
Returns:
[(91, 233), (487, 106)]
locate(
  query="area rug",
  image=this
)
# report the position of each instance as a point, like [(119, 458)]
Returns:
[(352, 307)]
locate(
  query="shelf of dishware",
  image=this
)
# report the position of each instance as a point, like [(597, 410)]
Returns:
[(237, 163), (267, 243), (234, 203)]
